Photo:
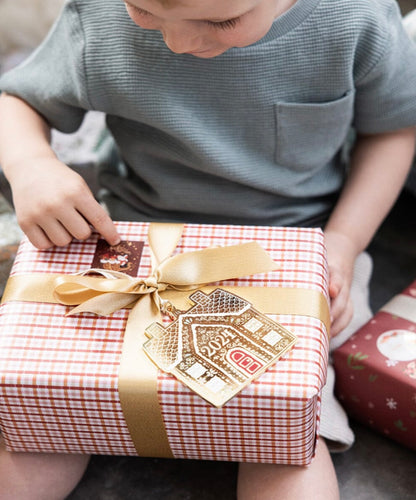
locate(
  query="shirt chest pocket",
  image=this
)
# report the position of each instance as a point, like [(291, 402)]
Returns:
[(309, 135)]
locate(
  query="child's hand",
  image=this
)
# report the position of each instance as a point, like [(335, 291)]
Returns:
[(341, 257), (54, 204)]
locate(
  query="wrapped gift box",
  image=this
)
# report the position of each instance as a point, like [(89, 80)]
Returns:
[(59, 374), (376, 370)]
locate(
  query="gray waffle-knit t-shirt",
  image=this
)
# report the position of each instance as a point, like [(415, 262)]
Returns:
[(252, 136)]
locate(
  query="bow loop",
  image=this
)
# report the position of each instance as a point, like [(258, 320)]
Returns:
[(113, 290)]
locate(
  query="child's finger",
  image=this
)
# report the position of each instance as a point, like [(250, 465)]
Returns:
[(335, 284), (343, 319), (339, 302), (56, 232), (38, 237), (75, 224), (95, 214)]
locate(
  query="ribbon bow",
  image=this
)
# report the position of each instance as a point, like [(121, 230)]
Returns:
[(182, 272)]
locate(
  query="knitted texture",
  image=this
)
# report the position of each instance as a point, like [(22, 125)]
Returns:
[(252, 136)]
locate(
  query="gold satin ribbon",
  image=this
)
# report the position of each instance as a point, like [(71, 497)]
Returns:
[(171, 279)]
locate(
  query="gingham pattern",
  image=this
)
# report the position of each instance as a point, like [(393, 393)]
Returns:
[(59, 374)]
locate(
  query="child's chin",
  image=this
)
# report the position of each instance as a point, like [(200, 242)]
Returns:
[(207, 54)]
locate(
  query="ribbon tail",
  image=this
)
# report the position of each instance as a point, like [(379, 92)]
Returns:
[(105, 304), (138, 382)]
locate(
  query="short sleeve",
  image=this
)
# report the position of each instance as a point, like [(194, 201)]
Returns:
[(385, 95), (52, 80)]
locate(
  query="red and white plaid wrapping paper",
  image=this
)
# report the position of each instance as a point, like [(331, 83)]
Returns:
[(59, 375)]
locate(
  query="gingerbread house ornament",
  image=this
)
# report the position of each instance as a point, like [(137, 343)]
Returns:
[(218, 346)]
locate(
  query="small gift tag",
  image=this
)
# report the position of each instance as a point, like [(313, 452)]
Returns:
[(124, 257), (218, 346)]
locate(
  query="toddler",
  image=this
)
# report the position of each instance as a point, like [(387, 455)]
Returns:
[(221, 112)]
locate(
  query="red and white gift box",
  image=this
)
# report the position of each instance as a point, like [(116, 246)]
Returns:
[(59, 374), (376, 370)]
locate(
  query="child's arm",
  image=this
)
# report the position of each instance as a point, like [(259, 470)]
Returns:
[(379, 166), (53, 203)]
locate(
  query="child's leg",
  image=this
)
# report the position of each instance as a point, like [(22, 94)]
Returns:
[(287, 482), (39, 476)]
